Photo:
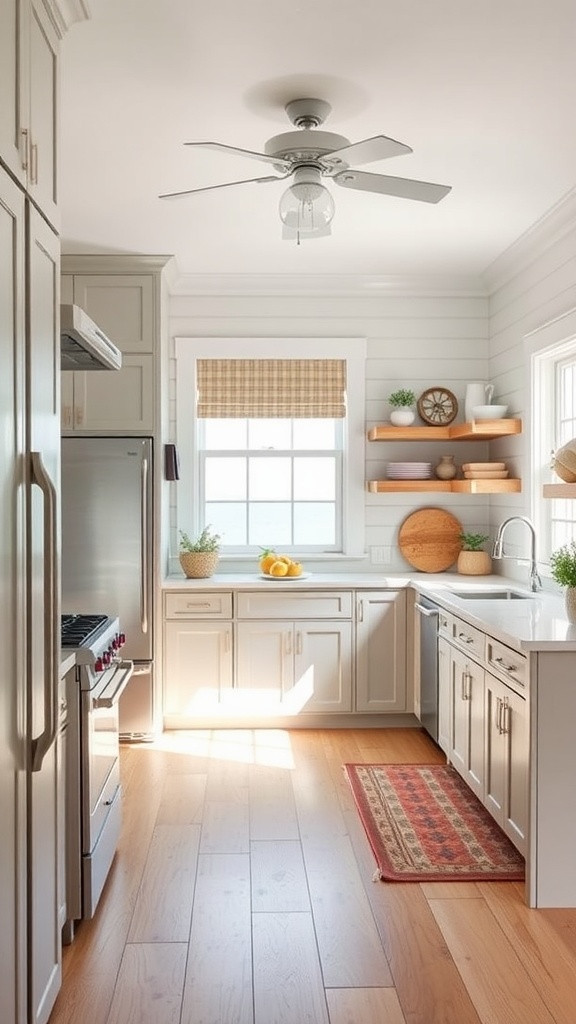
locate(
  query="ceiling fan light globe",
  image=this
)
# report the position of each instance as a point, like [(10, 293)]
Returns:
[(306, 207)]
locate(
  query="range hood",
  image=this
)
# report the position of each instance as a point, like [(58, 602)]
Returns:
[(83, 346)]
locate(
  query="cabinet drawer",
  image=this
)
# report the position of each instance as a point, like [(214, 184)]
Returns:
[(198, 606), (445, 623), (468, 638), (301, 604), (507, 663)]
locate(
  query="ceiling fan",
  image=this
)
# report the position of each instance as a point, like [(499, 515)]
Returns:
[(307, 207)]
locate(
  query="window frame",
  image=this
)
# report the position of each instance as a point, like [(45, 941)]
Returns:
[(547, 346), (351, 349)]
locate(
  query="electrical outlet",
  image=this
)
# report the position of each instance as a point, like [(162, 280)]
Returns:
[(379, 555)]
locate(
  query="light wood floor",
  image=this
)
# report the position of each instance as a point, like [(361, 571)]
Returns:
[(242, 893)]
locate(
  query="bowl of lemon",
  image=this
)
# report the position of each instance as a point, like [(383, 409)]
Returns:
[(280, 567)]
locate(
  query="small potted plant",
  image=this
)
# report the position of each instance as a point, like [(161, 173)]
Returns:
[(563, 569), (402, 414), (473, 560), (199, 557)]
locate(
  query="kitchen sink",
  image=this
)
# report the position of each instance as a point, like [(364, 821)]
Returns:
[(490, 595)]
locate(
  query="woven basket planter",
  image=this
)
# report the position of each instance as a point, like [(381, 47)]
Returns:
[(198, 565), (474, 563)]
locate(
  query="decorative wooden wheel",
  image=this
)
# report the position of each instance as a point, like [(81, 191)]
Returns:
[(437, 406)]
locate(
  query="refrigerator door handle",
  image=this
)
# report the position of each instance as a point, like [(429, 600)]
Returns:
[(42, 743), (144, 547)]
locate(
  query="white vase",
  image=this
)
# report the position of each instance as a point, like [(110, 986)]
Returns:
[(570, 602), (478, 392), (402, 416)]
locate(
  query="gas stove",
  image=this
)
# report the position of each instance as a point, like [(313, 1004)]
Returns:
[(97, 641)]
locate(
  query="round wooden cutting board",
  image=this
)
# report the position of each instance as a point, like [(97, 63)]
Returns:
[(428, 539)]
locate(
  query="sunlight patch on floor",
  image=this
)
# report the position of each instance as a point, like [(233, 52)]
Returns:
[(269, 747)]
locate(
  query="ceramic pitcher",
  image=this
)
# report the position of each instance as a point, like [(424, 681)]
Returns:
[(479, 392)]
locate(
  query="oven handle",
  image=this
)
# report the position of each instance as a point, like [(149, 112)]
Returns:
[(111, 694), (428, 612), (144, 547), (41, 744)]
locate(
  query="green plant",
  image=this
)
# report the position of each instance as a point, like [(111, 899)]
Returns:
[(401, 398), (563, 565), (472, 541), (206, 541)]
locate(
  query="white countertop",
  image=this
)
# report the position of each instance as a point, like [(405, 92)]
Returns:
[(67, 661), (536, 623)]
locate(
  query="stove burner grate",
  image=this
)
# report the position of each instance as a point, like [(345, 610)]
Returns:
[(78, 630)]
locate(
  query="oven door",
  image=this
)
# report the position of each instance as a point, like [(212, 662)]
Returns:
[(100, 750)]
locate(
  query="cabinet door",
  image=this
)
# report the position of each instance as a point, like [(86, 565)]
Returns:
[(122, 305), (108, 400), (322, 681), (467, 720), (197, 669), (43, 138), (507, 753), (444, 694), (380, 651), (264, 664), (14, 91)]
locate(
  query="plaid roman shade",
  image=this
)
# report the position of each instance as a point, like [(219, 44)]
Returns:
[(271, 388)]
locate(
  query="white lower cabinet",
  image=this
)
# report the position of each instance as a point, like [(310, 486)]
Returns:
[(294, 667), (380, 650), (507, 759), (466, 719), (198, 656)]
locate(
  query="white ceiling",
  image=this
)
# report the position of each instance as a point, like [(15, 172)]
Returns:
[(484, 91)]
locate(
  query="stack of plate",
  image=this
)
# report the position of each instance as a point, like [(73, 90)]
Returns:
[(409, 470), (484, 470)]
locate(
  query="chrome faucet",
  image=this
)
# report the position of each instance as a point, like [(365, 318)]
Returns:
[(498, 552)]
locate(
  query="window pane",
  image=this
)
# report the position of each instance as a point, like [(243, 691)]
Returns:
[(270, 525), (314, 478), (270, 479), (316, 434), (314, 523), (224, 479), (224, 435), (266, 434), (229, 520)]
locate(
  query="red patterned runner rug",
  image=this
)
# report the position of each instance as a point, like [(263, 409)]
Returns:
[(424, 824)]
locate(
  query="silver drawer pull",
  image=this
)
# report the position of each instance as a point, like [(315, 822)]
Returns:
[(467, 639), (502, 664)]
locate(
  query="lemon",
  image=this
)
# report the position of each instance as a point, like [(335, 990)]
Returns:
[(278, 568), (294, 569), (267, 558)]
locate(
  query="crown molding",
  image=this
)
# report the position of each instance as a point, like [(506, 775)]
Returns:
[(63, 13), (559, 221), (348, 285), (116, 263)]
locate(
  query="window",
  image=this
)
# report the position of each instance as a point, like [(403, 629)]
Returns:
[(553, 371), (272, 450)]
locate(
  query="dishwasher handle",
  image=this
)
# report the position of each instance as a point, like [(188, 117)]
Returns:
[(428, 612)]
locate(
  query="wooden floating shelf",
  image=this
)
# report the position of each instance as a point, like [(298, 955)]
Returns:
[(448, 486), (477, 430), (559, 490)]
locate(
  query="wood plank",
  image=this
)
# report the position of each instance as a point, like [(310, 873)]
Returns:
[(387, 486), (499, 985), (350, 947), (278, 876), (451, 890), (486, 486), (288, 985), (218, 985), (83, 997), (164, 906), (225, 827), (182, 800), (150, 984), (559, 490), (364, 1006), (272, 807)]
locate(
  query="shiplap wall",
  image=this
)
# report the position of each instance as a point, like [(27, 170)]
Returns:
[(531, 284), (414, 341)]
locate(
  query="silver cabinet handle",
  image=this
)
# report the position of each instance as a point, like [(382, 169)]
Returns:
[(502, 664), (467, 639), (288, 643), (40, 478), (143, 546), (299, 642), (505, 716), (360, 611)]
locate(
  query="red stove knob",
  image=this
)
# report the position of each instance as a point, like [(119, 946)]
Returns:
[(116, 643), (106, 657), (121, 639), (98, 665)]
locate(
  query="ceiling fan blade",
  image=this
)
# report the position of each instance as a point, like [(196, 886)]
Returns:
[(403, 188), (221, 148), (378, 148), (225, 184)]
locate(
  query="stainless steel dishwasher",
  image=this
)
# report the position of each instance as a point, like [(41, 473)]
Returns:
[(428, 612)]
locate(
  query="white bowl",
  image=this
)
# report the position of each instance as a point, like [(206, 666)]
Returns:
[(489, 412)]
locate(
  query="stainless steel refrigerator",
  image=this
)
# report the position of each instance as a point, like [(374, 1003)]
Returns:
[(107, 553)]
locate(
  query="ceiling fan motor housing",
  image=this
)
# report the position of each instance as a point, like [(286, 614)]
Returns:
[(306, 146)]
